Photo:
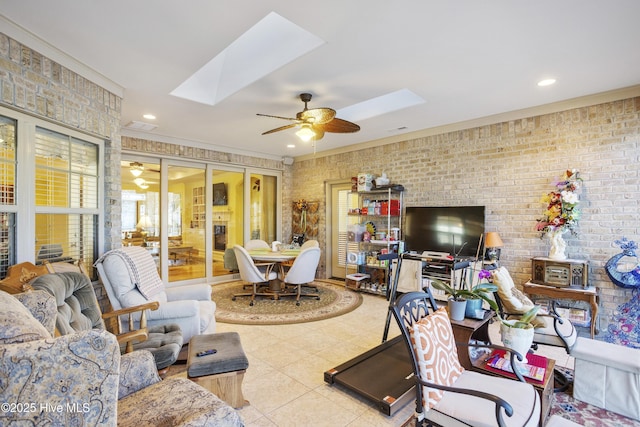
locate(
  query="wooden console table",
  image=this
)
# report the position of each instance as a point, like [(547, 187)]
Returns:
[(588, 294)]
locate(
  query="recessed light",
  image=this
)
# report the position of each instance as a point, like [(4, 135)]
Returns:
[(546, 82), (149, 117), (291, 146)]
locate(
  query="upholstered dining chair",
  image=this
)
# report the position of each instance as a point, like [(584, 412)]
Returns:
[(446, 393), (310, 244), (252, 275), (78, 310), (303, 272), (131, 278), (256, 244)]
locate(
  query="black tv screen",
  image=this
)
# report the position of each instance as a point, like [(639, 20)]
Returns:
[(456, 230)]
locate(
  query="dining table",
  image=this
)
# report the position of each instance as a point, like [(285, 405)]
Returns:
[(275, 259)]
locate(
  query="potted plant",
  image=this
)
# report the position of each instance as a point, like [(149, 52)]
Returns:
[(458, 297), (516, 334), (474, 301)]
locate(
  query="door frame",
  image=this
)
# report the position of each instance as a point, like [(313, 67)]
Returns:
[(330, 185)]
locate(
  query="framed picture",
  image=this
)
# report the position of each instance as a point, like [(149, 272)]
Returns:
[(220, 194)]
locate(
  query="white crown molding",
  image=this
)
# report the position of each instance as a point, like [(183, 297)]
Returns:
[(569, 104), (27, 38), (196, 144)]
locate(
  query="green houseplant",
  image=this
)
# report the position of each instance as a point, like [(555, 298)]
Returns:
[(458, 297), (516, 333)]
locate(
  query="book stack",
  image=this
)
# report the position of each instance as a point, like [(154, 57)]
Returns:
[(534, 369)]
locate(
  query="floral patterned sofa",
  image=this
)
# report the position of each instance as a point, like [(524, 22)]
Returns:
[(81, 378)]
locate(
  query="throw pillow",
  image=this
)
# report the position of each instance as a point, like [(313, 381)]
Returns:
[(17, 324), (436, 354), (514, 301)]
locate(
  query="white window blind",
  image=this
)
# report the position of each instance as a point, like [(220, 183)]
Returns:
[(7, 193), (66, 197), (346, 201)]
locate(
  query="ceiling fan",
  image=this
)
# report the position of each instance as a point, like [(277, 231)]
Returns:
[(314, 122)]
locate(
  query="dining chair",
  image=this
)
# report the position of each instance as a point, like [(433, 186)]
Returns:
[(256, 244), (310, 244), (303, 272), (446, 393), (251, 274)]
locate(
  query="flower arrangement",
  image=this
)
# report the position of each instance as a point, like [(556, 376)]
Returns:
[(561, 212)]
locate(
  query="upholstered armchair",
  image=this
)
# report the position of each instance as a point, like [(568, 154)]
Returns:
[(78, 309), (81, 378), (131, 278)]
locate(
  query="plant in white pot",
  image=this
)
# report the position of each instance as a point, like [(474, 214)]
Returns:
[(458, 297), (516, 334)]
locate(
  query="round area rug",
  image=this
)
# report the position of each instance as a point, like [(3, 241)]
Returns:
[(335, 300)]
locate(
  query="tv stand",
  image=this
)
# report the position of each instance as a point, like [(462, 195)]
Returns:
[(436, 255)]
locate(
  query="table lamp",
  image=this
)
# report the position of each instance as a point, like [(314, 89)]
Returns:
[(142, 226), (492, 244)]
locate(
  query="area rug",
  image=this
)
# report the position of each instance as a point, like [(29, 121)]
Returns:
[(581, 413), (334, 301), (565, 406)]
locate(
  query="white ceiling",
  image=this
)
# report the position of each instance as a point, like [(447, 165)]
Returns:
[(467, 59)]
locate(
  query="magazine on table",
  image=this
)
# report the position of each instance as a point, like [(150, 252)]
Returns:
[(530, 371)]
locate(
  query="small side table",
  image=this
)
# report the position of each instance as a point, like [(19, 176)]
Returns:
[(467, 329), (544, 387), (589, 294)]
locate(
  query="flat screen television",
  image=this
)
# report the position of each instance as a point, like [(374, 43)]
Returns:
[(456, 230)]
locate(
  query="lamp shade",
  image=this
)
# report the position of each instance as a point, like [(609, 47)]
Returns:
[(493, 240), (144, 223)]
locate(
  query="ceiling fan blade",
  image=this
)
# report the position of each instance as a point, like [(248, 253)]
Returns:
[(278, 117), (339, 126), (317, 115), (280, 128)]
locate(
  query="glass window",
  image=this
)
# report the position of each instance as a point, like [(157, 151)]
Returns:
[(7, 193), (66, 198)]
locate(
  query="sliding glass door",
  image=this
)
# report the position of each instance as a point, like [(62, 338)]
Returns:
[(227, 219), (189, 216)]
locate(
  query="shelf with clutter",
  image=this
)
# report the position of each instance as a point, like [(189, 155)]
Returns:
[(374, 224)]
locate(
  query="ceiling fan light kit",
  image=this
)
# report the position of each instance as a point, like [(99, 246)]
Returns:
[(305, 133), (136, 169), (314, 122)]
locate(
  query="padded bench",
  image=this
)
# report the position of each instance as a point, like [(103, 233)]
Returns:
[(608, 376), (222, 372)]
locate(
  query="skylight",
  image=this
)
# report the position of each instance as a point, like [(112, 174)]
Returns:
[(380, 105), (267, 46)]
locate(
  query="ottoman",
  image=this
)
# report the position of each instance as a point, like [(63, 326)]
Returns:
[(221, 372), (608, 376)]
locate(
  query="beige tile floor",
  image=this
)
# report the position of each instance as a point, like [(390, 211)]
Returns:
[(285, 380)]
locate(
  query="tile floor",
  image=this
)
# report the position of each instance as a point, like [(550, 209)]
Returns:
[(285, 380)]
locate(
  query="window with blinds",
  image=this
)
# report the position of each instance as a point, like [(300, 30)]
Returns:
[(346, 201), (66, 198), (7, 193)]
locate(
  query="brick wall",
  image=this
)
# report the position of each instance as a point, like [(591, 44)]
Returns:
[(507, 167), (34, 84)]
